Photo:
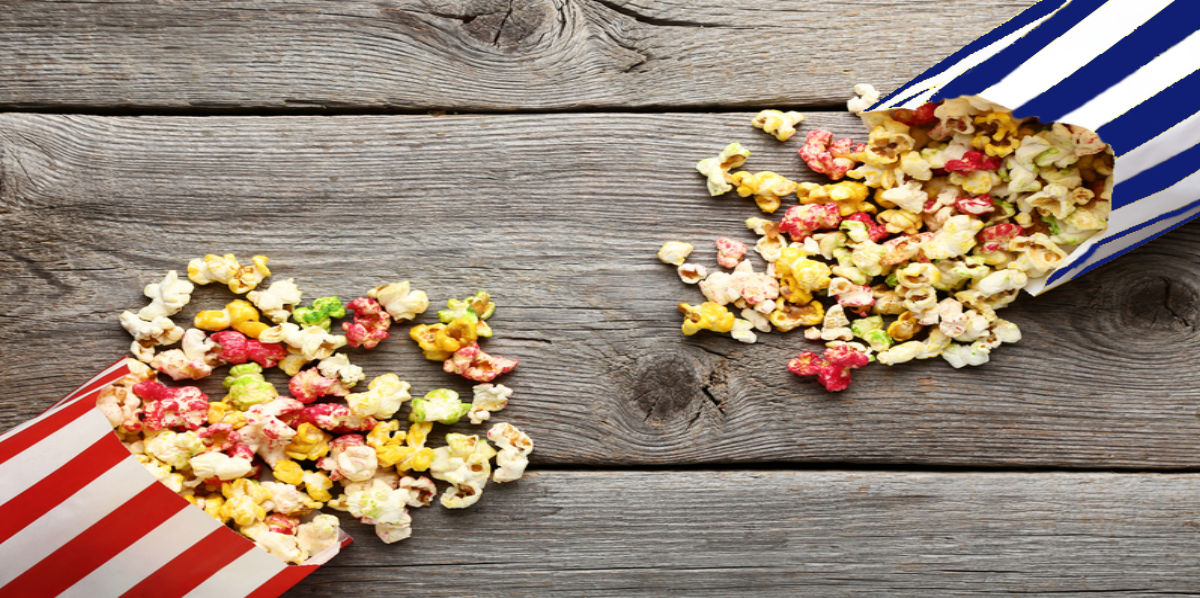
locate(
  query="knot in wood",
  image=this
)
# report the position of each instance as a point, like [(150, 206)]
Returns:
[(1162, 302), (507, 24), (667, 388)]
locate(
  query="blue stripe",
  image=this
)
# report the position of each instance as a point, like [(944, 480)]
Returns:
[(1152, 38), (1159, 177), (1150, 118), (1087, 253), (992, 70), (1092, 249), (1030, 15)]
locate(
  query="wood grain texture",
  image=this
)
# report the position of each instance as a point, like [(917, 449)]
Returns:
[(471, 54), (560, 216), (702, 533)]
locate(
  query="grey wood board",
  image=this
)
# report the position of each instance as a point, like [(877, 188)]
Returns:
[(706, 533), (471, 55), (559, 216)]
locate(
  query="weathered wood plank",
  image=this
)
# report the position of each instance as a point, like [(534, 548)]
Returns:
[(701, 533), (471, 54), (560, 216)]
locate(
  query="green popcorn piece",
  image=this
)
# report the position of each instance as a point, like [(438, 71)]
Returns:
[(891, 279), (439, 405), (247, 387), (878, 339), (862, 326), (855, 230), (477, 308), (322, 310), (1052, 222)]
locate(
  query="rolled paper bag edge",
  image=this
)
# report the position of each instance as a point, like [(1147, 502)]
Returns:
[(1128, 70), (79, 512)]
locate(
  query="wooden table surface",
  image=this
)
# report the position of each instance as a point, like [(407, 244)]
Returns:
[(543, 149)]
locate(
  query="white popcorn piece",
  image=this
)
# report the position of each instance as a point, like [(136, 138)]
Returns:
[(421, 490), (339, 366), (166, 297), (836, 326), (691, 273), (464, 464), (400, 300), (385, 394), (281, 546), (385, 507), (354, 463), (674, 252), (151, 333), (319, 534), (743, 331), (513, 457), (311, 343), (959, 355), (277, 301), (758, 318), (865, 96), (287, 499), (488, 398), (909, 197), (195, 358), (215, 464)]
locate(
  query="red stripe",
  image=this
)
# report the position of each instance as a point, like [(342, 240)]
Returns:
[(13, 445), (39, 498), (277, 585), (103, 540), (194, 565)]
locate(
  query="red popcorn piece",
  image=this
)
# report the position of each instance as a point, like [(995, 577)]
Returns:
[(335, 418), (218, 437), (730, 252), (996, 237), (828, 157), (877, 232), (237, 348), (972, 161), (244, 451), (833, 369), (370, 323), (183, 407), (280, 523), (309, 385), (978, 205), (801, 221), (472, 363), (923, 115), (346, 441)]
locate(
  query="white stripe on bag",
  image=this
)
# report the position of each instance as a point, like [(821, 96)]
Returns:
[(1158, 150), (1070, 51), (1145, 83), (50, 453), (62, 523), (244, 575), (147, 555)]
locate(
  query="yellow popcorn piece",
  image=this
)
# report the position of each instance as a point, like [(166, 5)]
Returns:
[(904, 328), (850, 196), (288, 471), (789, 316), (766, 187), (780, 124), (243, 502), (996, 133), (955, 238), (386, 438), (317, 485), (674, 252), (310, 443), (918, 274), (799, 276), (239, 314), (706, 316), (716, 170), (976, 183), (885, 144)]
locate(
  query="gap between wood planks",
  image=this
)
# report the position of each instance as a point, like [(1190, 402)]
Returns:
[(203, 111)]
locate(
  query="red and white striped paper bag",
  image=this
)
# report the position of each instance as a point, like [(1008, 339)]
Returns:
[(79, 516)]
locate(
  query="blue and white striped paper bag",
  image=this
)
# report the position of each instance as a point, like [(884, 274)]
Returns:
[(1126, 69)]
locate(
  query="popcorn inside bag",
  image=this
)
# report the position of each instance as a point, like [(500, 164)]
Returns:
[(925, 230), (265, 459)]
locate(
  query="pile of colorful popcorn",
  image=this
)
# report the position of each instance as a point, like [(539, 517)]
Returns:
[(952, 209), (265, 463)]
